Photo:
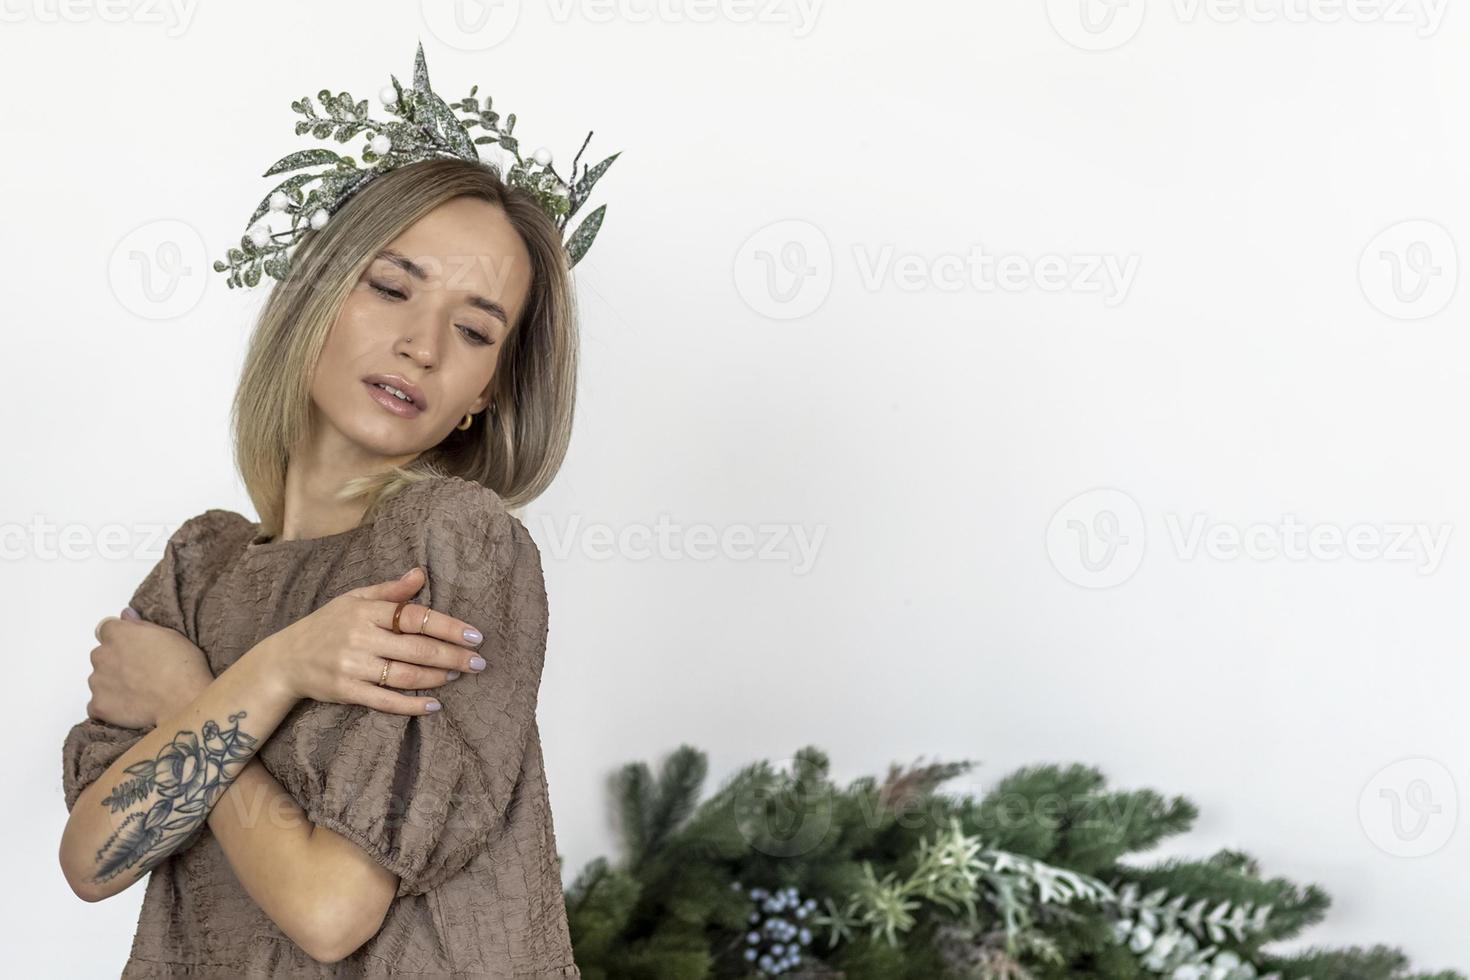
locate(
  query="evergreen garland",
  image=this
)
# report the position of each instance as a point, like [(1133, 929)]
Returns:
[(786, 874)]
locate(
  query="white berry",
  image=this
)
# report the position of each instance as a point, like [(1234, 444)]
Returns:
[(261, 237), (389, 95), (279, 201), (318, 219), (380, 144), (542, 156)]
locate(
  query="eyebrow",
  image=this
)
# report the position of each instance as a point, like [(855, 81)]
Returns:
[(415, 270)]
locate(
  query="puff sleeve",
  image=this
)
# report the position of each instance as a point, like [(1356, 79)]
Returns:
[(91, 746), (422, 794)]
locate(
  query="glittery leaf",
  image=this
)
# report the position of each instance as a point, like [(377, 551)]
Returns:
[(420, 72), (452, 130), (582, 189), (581, 239), (302, 158)]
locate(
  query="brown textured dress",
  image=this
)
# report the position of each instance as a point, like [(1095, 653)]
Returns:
[(455, 802)]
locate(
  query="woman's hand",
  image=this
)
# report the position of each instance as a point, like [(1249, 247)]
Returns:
[(142, 673), (337, 652)]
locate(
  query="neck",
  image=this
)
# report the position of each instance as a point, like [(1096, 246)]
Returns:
[(314, 476)]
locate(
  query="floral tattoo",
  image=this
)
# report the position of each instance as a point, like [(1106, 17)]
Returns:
[(188, 775)]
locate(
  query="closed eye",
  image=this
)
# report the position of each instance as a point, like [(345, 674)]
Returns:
[(475, 336)]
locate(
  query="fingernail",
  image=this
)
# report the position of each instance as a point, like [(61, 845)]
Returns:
[(453, 674), (472, 635), (409, 572), (130, 613), (432, 706), (477, 663)]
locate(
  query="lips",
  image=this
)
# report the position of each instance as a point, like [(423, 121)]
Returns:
[(402, 384), (392, 402)]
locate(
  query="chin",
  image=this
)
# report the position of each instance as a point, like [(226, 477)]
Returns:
[(388, 437)]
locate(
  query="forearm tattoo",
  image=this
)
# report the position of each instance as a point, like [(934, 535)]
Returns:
[(186, 778)]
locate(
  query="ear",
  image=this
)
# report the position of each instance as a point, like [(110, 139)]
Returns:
[(485, 397)]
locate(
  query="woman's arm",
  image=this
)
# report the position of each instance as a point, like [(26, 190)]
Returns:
[(323, 891), (320, 888), (153, 797)]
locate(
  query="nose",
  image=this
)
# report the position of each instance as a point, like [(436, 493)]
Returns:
[(421, 352)]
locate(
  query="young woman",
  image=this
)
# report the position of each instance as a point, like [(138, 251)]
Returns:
[(317, 731)]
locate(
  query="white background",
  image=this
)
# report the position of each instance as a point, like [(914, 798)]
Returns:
[(1259, 369)]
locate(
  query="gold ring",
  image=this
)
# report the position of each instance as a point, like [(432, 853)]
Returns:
[(424, 626), (384, 679), (396, 613)]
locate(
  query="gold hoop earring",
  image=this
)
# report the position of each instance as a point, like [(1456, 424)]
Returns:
[(469, 420)]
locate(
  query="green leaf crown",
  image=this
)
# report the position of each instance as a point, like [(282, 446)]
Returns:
[(426, 127)]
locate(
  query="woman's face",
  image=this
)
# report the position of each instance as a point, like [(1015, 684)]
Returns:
[(428, 317)]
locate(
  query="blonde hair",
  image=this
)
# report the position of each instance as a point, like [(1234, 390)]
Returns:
[(515, 450)]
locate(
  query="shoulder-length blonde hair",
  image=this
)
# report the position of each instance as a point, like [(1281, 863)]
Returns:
[(515, 450)]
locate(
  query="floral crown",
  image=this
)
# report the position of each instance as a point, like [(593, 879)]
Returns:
[(427, 127)]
